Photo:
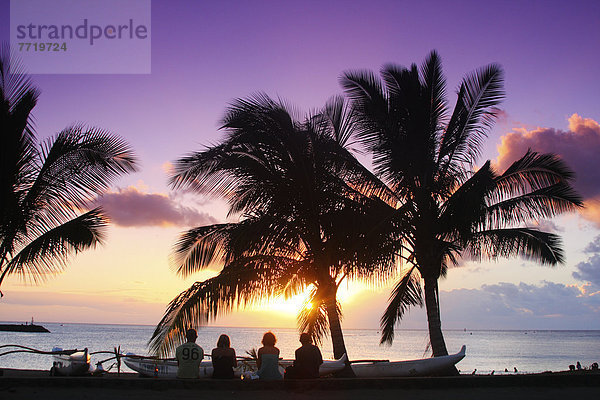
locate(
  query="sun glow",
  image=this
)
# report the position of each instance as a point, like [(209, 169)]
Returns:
[(292, 305), (295, 304)]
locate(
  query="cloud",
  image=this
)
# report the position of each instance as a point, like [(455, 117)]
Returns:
[(509, 306), (593, 246), (545, 305), (130, 207), (589, 271), (578, 146), (546, 226), (168, 168)]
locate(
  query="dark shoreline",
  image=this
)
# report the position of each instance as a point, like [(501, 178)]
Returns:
[(20, 377), (27, 384)]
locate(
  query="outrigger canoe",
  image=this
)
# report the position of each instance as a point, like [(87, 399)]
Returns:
[(161, 368), (70, 363), (374, 369), (420, 367)]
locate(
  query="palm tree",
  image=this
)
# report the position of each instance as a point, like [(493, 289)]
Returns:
[(303, 220), (449, 210), (44, 188)]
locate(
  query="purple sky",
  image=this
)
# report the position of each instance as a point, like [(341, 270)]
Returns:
[(206, 54)]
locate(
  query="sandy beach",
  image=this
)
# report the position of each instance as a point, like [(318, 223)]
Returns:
[(20, 384)]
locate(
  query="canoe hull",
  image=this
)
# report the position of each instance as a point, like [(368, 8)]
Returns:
[(168, 368), (421, 367), (163, 368)]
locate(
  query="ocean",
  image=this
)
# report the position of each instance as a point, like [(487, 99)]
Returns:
[(527, 350)]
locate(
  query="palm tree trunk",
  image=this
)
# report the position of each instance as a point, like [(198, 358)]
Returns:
[(433, 318), (335, 329)]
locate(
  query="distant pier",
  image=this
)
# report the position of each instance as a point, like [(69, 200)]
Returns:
[(23, 328)]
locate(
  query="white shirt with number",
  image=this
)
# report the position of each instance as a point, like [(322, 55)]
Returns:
[(188, 355)]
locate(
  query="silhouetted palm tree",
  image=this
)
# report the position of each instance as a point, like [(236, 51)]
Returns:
[(45, 187), (304, 222), (449, 209)]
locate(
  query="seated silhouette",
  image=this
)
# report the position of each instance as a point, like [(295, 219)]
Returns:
[(307, 362)]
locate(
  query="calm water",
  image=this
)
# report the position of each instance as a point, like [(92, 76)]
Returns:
[(529, 351)]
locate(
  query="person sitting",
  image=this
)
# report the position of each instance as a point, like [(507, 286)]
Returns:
[(189, 356), (268, 359), (223, 359), (307, 362)]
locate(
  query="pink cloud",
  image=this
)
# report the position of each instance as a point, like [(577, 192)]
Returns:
[(131, 207), (579, 146)]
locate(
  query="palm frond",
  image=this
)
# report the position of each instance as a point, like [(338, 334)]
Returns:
[(338, 121), (528, 243), (198, 247), (464, 210), (45, 188), (545, 202), (15, 84), (532, 172), (434, 85), (47, 254), (407, 293), (191, 171), (473, 115), (78, 164), (312, 319), (18, 154), (370, 105), (244, 282)]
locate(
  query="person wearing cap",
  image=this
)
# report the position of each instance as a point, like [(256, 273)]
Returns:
[(189, 356)]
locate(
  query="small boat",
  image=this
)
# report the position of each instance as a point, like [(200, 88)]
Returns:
[(421, 367), (73, 363), (161, 368)]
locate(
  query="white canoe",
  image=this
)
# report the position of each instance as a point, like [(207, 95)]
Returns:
[(421, 367), (168, 368), (74, 364)]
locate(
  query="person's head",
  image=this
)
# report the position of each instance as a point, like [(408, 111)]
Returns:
[(191, 335), (223, 341), (305, 339), (269, 339)]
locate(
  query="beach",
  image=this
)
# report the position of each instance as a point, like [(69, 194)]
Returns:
[(28, 384)]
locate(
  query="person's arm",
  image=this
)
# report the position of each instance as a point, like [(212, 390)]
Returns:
[(234, 364)]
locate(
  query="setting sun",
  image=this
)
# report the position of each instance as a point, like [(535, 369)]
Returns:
[(294, 304)]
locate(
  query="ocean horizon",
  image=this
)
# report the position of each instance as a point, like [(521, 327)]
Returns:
[(529, 351)]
